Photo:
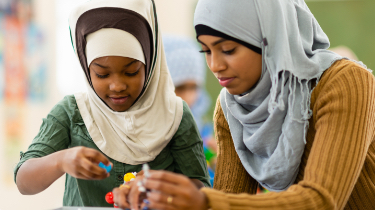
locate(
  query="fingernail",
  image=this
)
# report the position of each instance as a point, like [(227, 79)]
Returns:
[(146, 201), (148, 194)]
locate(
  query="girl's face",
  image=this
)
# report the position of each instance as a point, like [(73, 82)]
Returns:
[(236, 67), (117, 80)]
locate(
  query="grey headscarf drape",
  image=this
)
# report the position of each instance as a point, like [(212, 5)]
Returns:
[(269, 123)]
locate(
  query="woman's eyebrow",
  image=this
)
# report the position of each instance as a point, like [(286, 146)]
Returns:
[(215, 42)]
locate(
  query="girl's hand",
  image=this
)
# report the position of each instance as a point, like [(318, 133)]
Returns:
[(127, 196), (82, 163), (171, 191)]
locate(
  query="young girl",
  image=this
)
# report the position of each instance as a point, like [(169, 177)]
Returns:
[(129, 116), (293, 117)]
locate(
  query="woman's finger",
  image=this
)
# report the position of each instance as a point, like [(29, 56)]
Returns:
[(158, 200), (134, 193), (165, 187), (170, 177), (119, 196)]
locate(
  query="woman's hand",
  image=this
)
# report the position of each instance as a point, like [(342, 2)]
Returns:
[(128, 195), (82, 163), (171, 191)]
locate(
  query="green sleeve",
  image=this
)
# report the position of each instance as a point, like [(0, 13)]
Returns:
[(53, 134), (187, 149)]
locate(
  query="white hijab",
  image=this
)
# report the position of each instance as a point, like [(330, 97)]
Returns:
[(139, 134)]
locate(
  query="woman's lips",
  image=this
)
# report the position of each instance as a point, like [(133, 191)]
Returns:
[(119, 100), (224, 81)]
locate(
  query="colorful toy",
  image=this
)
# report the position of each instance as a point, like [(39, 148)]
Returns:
[(109, 199), (107, 168), (129, 177)]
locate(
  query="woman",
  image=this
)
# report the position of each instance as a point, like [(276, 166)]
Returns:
[(129, 116), (293, 117)]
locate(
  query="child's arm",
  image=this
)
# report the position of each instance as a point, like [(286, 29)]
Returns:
[(36, 174), (187, 151)]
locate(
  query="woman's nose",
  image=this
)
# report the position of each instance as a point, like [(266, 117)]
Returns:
[(216, 63), (117, 86)]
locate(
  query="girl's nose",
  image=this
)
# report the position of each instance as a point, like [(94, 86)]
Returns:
[(117, 86)]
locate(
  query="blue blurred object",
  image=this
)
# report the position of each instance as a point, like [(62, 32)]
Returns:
[(212, 174), (108, 168)]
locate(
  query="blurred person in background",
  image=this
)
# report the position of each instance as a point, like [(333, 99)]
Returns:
[(188, 71)]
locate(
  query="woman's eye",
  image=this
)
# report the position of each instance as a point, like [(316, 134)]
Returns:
[(229, 52), (102, 76), (205, 51), (132, 74)]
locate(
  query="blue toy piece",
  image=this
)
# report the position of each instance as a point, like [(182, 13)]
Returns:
[(108, 168)]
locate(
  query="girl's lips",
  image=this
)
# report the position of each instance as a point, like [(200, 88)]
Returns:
[(225, 81), (119, 101)]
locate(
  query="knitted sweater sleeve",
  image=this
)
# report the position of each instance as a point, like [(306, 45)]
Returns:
[(343, 115), (230, 175)]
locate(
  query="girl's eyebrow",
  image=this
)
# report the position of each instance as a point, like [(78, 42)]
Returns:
[(129, 64), (106, 67)]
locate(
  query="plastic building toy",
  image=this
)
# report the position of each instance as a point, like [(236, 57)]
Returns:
[(108, 168), (129, 177)]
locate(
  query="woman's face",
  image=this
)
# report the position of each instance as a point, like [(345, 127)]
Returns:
[(117, 80), (236, 67)]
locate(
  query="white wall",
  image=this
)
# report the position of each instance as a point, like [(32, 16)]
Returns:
[(175, 17)]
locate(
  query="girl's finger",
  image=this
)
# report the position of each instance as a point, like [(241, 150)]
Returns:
[(88, 173), (93, 168), (96, 156)]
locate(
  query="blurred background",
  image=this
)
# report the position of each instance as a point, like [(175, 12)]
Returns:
[(38, 67)]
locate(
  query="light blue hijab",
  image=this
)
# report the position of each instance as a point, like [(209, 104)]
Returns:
[(269, 123)]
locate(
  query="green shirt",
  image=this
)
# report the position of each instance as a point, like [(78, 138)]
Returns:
[(64, 128)]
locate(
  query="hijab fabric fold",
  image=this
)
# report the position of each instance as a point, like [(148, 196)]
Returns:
[(139, 134), (269, 123)]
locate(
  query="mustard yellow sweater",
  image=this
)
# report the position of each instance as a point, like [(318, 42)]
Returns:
[(337, 170)]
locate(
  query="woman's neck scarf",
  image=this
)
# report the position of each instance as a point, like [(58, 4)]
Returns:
[(269, 123), (139, 134), (185, 63)]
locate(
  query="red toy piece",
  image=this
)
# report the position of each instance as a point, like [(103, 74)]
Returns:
[(109, 198)]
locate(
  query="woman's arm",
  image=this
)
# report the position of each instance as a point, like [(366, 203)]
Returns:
[(343, 130), (343, 115)]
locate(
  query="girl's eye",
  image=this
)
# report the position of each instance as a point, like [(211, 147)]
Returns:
[(229, 52), (102, 76), (132, 74), (205, 51)]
